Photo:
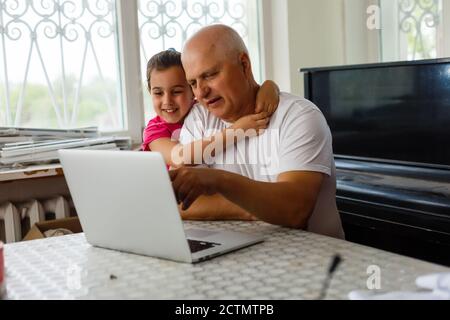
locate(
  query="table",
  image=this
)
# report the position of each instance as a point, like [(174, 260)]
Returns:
[(290, 264)]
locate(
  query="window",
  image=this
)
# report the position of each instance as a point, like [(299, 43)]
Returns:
[(418, 24), (415, 29), (59, 64), (75, 63), (168, 24)]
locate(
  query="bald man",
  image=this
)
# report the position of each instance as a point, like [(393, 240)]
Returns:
[(285, 176)]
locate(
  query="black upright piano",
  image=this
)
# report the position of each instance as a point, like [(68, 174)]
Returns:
[(391, 137)]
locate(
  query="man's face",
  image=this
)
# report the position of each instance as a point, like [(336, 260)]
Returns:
[(219, 82)]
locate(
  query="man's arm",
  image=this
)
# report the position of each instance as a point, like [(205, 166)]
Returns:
[(214, 207), (288, 202)]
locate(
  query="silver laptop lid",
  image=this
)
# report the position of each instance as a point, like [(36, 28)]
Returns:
[(125, 202)]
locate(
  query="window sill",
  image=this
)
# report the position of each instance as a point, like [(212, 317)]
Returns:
[(31, 172)]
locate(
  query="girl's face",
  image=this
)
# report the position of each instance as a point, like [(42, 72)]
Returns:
[(172, 96)]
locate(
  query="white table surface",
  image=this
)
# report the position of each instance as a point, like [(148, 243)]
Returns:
[(290, 264)]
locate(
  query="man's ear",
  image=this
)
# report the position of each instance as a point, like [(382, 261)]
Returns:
[(245, 63)]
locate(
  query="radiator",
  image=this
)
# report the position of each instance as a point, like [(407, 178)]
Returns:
[(16, 219)]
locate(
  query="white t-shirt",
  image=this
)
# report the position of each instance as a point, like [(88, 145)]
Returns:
[(297, 139)]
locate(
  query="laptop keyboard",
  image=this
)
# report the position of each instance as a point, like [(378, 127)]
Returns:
[(197, 246)]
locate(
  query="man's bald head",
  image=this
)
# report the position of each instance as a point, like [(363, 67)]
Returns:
[(221, 40), (219, 71)]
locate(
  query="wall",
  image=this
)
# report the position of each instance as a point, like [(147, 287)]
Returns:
[(361, 44), (305, 33), (275, 42), (315, 33), (316, 36)]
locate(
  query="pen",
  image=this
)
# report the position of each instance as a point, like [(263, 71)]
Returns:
[(331, 270)]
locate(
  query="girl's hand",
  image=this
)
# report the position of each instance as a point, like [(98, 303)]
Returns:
[(268, 98), (257, 122)]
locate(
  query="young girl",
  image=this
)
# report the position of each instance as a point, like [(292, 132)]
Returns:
[(173, 98)]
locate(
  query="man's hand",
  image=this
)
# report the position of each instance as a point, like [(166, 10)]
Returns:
[(190, 183)]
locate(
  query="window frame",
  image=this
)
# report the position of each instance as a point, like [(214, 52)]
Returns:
[(128, 47), (444, 28)]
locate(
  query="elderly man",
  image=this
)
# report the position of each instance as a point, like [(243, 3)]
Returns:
[(291, 184)]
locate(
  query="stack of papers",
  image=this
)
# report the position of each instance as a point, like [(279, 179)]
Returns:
[(22, 146), (11, 133)]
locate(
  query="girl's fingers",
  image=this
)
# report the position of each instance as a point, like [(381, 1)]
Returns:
[(260, 115), (264, 121), (262, 126)]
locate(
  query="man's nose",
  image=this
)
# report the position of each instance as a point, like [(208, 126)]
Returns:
[(202, 90)]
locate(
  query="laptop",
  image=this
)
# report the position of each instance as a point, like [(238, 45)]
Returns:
[(125, 202)]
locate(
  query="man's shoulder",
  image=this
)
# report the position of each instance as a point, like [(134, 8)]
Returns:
[(289, 100), (295, 107), (300, 117)]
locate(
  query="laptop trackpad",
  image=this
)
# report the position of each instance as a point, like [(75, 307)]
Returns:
[(199, 233)]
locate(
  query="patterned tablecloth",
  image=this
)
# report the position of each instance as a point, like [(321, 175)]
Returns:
[(290, 264)]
